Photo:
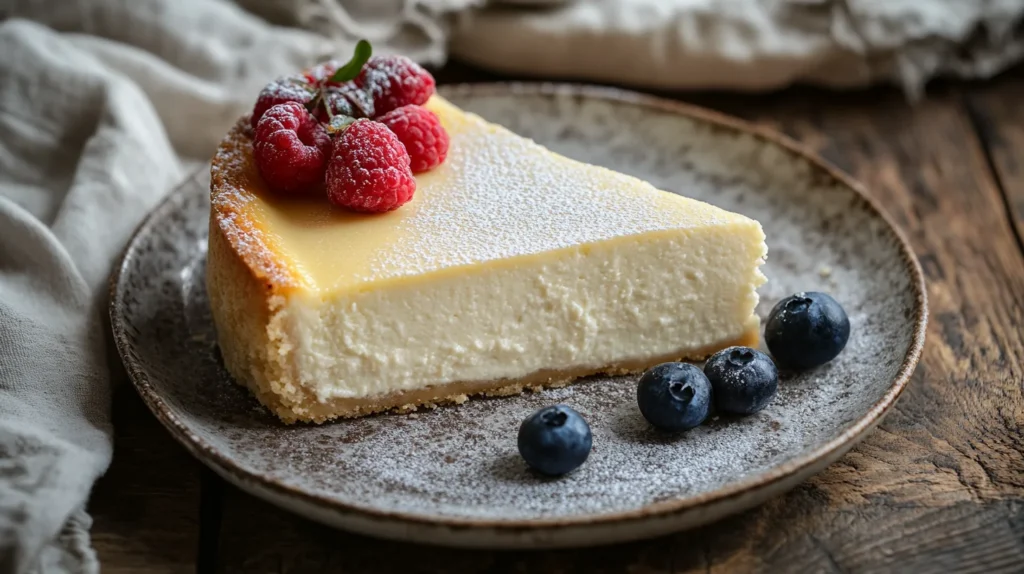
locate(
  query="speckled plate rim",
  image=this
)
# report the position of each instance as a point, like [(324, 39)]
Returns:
[(743, 493)]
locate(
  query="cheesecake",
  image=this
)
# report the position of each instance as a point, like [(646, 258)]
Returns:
[(511, 268)]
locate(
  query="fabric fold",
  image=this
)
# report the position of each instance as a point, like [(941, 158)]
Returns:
[(748, 45), (104, 107)]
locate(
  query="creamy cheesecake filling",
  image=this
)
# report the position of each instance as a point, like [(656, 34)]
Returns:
[(586, 306)]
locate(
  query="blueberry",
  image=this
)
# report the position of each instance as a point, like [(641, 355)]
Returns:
[(674, 396), (554, 440), (806, 330), (743, 380)]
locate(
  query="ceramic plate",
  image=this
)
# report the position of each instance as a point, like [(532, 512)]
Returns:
[(452, 476)]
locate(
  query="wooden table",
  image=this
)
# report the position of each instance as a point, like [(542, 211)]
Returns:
[(938, 487)]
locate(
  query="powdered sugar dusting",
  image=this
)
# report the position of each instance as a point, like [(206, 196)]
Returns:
[(499, 195), (460, 463), (496, 196)]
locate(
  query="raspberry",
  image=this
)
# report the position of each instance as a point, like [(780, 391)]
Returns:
[(345, 100), (395, 81), (422, 134), (322, 71), (369, 169), (294, 88), (291, 148)]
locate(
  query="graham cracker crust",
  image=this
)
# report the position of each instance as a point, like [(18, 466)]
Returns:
[(312, 410)]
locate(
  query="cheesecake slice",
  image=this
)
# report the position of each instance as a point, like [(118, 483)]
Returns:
[(512, 267)]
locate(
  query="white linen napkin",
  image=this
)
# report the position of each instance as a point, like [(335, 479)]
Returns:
[(750, 45)]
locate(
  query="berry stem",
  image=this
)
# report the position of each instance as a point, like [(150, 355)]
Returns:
[(327, 105), (338, 123)]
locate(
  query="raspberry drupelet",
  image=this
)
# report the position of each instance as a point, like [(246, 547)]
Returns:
[(291, 148), (422, 134), (369, 169)]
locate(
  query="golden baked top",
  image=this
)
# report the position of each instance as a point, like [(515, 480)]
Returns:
[(497, 196)]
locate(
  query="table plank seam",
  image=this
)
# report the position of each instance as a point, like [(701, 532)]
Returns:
[(985, 134)]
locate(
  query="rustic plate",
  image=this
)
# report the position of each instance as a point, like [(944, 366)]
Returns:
[(452, 476)]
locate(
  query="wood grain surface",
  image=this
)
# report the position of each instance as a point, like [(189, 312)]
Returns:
[(146, 508), (997, 109), (938, 487)]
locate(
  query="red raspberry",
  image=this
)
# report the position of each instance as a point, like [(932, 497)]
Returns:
[(369, 169), (322, 71), (291, 148), (395, 81), (294, 88), (345, 100), (422, 134)]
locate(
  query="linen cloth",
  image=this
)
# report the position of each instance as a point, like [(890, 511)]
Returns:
[(106, 104), (104, 107), (748, 45)]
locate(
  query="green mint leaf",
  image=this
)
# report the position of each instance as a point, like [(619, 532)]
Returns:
[(350, 70)]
